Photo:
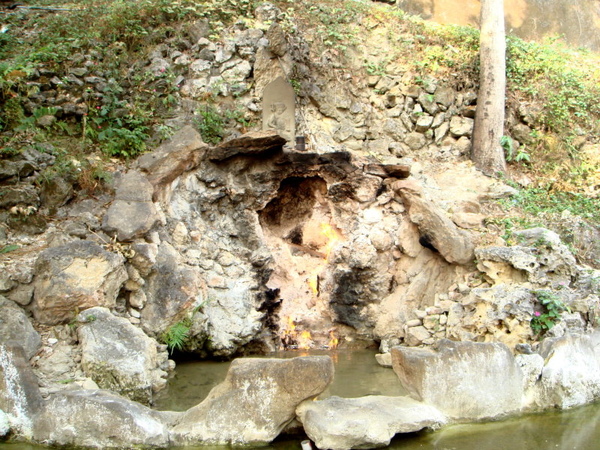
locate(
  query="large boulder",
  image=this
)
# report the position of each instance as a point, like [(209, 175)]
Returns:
[(99, 419), (20, 397), (255, 402), (365, 422), (132, 214), (571, 373), (73, 277), (436, 229), (118, 355), (15, 326), (464, 380)]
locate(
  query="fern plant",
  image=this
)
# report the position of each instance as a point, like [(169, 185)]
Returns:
[(176, 336)]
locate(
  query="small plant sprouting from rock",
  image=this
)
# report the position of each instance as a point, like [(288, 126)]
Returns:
[(548, 315), (176, 336), (210, 124)]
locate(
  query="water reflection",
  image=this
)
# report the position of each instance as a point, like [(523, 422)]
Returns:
[(569, 430), (578, 22), (356, 374)]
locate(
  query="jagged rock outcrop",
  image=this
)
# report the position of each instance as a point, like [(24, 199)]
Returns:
[(119, 357), (74, 277), (255, 402), (365, 422), (16, 326)]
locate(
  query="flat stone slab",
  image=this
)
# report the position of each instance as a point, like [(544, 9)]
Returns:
[(366, 422), (254, 143)]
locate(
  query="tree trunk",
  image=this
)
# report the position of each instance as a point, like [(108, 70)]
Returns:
[(487, 152)]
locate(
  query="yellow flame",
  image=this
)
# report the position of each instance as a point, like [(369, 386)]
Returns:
[(332, 235), (333, 340), (291, 325), (313, 284), (304, 340)]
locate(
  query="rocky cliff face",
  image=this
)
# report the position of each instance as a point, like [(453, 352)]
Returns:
[(374, 235)]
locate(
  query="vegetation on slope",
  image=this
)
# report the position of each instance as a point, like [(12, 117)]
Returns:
[(556, 87)]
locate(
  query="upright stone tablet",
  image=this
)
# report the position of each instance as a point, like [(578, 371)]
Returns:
[(278, 109)]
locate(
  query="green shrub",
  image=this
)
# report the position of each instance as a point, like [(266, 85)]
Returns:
[(548, 313), (210, 124)]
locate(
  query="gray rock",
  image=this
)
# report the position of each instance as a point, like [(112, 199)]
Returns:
[(181, 153), (461, 126), (56, 192), (544, 258), (255, 402), (118, 356), (464, 380), (99, 419), (277, 40), (571, 373), (423, 123), (26, 195), (132, 214), (20, 397), (415, 140), (74, 277), (428, 102), (365, 422), (171, 290), (4, 424), (254, 143), (435, 227), (129, 219), (15, 326)]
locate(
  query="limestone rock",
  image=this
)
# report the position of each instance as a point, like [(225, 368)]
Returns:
[(255, 402), (118, 356), (74, 277), (384, 359), (435, 227), (99, 419), (132, 214), (365, 422), (4, 424), (181, 153), (171, 289), (571, 373), (542, 258), (20, 397), (15, 326), (253, 143), (56, 192), (461, 126), (502, 313), (464, 380)]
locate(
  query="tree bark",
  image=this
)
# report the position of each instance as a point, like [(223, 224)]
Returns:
[(487, 153)]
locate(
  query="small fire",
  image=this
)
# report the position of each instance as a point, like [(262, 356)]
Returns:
[(332, 235), (291, 338), (305, 340), (313, 284), (333, 340)]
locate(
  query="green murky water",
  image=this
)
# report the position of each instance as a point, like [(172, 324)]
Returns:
[(357, 375)]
